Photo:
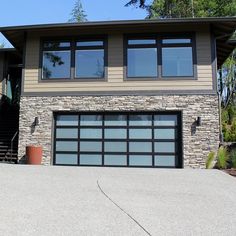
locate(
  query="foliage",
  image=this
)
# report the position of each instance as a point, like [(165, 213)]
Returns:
[(186, 8), (170, 9), (141, 3), (227, 80), (233, 158), (222, 158), (228, 118), (2, 45), (78, 14), (210, 159)]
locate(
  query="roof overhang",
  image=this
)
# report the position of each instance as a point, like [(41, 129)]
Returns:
[(222, 28)]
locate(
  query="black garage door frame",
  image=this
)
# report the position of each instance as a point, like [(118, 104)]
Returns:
[(178, 139)]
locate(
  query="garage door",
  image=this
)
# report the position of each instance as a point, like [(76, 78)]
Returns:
[(118, 139)]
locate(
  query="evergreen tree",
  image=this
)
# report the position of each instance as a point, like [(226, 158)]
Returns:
[(78, 14)]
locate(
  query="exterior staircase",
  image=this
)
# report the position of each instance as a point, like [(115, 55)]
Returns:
[(9, 125)]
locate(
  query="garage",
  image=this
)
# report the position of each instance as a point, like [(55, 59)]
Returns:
[(124, 139)]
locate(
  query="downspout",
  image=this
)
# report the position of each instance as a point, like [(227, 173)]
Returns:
[(220, 121)]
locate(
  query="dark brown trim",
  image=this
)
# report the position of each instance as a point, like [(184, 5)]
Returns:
[(123, 22), (121, 93)]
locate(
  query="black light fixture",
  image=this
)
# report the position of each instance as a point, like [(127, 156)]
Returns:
[(199, 121), (36, 121)]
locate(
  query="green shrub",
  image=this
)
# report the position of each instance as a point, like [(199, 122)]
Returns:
[(222, 158), (233, 131), (228, 117), (210, 159), (233, 158)]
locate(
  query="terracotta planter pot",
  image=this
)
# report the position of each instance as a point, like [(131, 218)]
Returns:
[(34, 155)]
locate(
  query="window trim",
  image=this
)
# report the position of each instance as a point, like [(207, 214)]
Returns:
[(73, 48), (158, 37)]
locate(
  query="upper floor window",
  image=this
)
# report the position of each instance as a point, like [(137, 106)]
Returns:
[(177, 57), (89, 59), (73, 59), (56, 60), (160, 57), (142, 58)]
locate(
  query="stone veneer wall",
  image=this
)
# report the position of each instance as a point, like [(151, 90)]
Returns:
[(196, 142)]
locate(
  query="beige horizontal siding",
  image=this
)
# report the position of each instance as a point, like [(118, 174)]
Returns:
[(115, 72)]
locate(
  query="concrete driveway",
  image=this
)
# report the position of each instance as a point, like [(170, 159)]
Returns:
[(39, 200)]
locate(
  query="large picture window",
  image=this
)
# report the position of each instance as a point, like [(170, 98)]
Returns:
[(160, 57), (142, 58), (89, 59), (56, 60), (177, 57), (73, 59)]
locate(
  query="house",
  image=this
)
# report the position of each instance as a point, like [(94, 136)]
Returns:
[(139, 93)]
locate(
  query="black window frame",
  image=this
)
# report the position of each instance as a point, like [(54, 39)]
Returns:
[(73, 40), (77, 48), (178, 137), (127, 46), (53, 49), (159, 37)]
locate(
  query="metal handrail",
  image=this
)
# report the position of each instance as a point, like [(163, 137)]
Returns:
[(12, 140)]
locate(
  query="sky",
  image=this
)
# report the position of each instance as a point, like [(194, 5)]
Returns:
[(28, 12)]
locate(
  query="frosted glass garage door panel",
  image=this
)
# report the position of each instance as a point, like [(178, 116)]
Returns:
[(164, 147), (90, 120), (115, 146), (164, 133), (66, 159), (90, 146), (115, 133), (140, 120), (140, 133), (165, 120), (66, 133), (66, 146), (115, 160), (115, 120), (168, 161), (90, 159), (90, 133), (140, 160), (140, 147), (67, 120)]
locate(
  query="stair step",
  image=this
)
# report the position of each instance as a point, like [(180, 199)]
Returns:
[(9, 124), (2, 155)]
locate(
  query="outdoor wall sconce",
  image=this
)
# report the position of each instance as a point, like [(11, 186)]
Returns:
[(36, 121), (199, 121)]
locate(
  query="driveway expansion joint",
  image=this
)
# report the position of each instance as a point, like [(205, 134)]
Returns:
[(120, 208)]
